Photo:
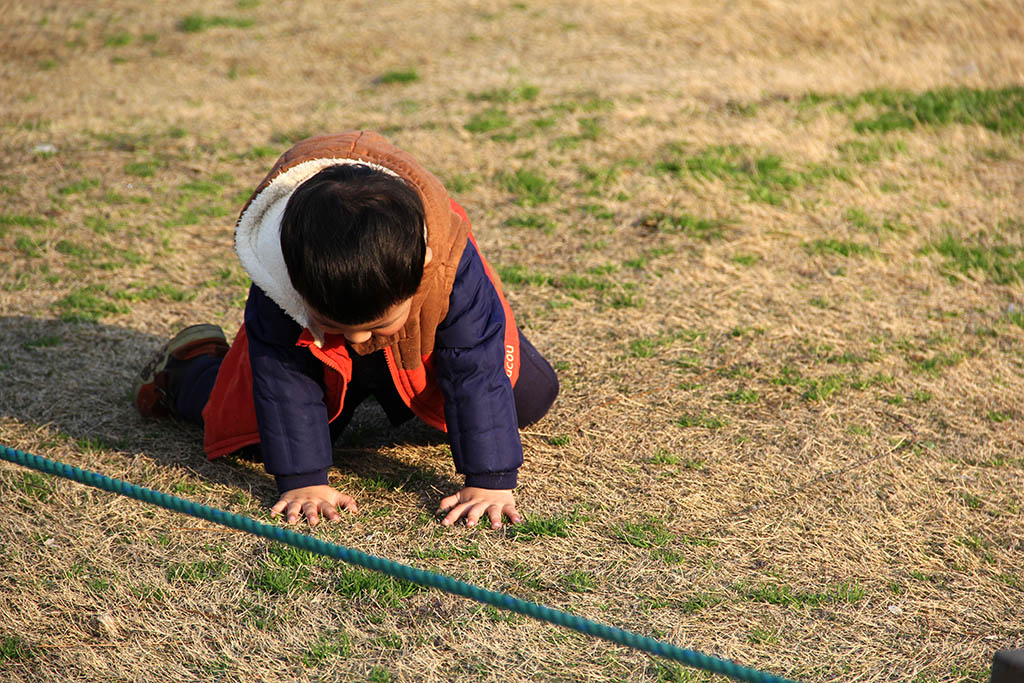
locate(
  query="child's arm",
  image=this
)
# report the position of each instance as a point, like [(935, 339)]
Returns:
[(294, 435), (479, 405)]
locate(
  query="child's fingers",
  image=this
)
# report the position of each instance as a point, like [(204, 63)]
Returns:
[(329, 512), (448, 503), (311, 509), (348, 503), (278, 507), (456, 512), (494, 512), (513, 515), (476, 511)]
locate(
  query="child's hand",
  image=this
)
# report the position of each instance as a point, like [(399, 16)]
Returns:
[(313, 501), (472, 503)]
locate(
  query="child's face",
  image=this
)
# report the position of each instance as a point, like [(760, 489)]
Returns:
[(390, 323)]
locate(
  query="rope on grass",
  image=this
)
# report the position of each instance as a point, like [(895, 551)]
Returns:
[(394, 569)]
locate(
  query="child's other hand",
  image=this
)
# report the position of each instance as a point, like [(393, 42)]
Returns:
[(313, 501), (473, 503)]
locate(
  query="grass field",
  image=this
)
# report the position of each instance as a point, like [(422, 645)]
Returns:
[(775, 250)]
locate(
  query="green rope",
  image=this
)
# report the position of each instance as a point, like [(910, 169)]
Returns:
[(399, 571)]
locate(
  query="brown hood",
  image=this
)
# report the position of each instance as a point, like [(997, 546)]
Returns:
[(257, 234)]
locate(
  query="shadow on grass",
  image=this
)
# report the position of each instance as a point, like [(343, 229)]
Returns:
[(70, 384)]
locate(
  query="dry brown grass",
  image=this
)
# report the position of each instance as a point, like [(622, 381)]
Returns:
[(817, 456)]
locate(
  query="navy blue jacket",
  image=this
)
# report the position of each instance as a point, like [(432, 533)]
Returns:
[(469, 356)]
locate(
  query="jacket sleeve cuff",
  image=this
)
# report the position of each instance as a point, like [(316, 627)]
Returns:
[(287, 482), (493, 480)]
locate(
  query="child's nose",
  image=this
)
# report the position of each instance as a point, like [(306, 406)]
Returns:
[(358, 337)]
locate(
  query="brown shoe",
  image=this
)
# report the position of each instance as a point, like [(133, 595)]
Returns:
[(154, 396)]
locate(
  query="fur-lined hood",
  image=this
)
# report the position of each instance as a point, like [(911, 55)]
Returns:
[(258, 234)]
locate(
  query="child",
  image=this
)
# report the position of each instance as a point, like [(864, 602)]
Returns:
[(366, 281)]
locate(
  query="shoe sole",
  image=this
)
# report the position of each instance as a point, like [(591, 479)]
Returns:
[(190, 335)]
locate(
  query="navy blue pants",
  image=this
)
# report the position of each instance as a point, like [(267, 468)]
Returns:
[(534, 392)]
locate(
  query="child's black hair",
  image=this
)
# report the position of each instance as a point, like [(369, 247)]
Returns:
[(353, 242)]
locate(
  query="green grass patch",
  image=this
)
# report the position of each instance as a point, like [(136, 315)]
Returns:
[(356, 583), (43, 342), (763, 636), (533, 221), (195, 23), (449, 552), (519, 275), (378, 674), (203, 186), (701, 420), (838, 248), (119, 39), (849, 592), (521, 93), (78, 186), (256, 615), (704, 229), (664, 457), (69, 248), (488, 120), (28, 246), (87, 304), (14, 649), (529, 188), (576, 282), (399, 76), (290, 137), (1015, 316), (36, 487), (327, 647), (1000, 110), (1000, 263), (22, 220), (278, 580), (743, 395), (595, 181), (197, 214), (142, 169), (598, 211), (820, 302), (626, 300), (535, 527), (164, 292), (260, 152), (590, 129), (698, 602), (99, 443), (459, 183), (647, 347), (290, 556), (196, 572), (648, 533), (286, 570), (822, 388), (870, 151), (971, 500), (934, 364), (578, 581), (764, 177)]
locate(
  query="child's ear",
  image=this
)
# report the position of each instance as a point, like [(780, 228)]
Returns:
[(428, 257)]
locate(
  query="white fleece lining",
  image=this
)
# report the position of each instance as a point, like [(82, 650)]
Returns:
[(258, 238)]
